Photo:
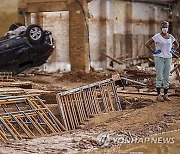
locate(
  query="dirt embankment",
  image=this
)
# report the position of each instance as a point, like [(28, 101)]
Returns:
[(142, 116), (141, 122)]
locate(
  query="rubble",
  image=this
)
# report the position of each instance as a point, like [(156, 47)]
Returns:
[(137, 99), (6, 76)]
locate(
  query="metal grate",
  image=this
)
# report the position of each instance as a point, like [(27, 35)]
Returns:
[(77, 105), (26, 117)]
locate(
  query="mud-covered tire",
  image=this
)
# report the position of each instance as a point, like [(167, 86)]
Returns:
[(34, 33)]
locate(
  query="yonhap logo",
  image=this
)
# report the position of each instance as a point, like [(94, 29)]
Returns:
[(105, 139)]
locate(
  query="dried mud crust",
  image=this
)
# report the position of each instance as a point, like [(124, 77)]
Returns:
[(152, 119), (141, 116), (157, 117), (135, 102), (64, 81), (80, 76)]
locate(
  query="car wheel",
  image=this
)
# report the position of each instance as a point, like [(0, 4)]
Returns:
[(34, 33)]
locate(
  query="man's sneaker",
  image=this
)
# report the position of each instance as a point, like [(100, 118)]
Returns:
[(166, 98), (159, 98)]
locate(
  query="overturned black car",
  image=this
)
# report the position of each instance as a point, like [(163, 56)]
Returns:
[(29, 49)]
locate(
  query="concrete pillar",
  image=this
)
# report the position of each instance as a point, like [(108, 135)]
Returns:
[(152, 21), (27, 19), (176, 20), (129, 42), (103, 33), (110, 30), (78, 36), (39, 19)]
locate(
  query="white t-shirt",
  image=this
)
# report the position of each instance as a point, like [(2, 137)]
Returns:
[(165, 45)]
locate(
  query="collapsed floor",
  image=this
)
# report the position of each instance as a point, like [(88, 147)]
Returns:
[(141, 115)]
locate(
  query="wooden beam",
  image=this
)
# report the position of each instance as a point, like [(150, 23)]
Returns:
[(114, 59), (46, 7), (45, 1)]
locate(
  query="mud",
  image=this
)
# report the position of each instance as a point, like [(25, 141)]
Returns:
[(142, 116)]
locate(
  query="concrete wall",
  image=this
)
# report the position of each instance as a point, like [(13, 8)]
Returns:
[(117, 28), (176, 21), (8, 14), (70, 33), (120, 28), (58, 24)]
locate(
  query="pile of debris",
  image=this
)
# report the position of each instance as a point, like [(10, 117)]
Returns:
[(176, 69), (26, 116), (81, 76)]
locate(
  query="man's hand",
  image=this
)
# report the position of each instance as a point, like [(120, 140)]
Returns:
[(155, 52)]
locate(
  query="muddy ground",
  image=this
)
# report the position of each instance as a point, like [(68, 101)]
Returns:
[(141, 116)]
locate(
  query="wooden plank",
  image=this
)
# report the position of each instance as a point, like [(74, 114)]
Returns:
[(78, 108), (114, 59), (48, 121), (72, 103), (21, 126), (3, 136), (38, 126), (42, 117), (26, 127), (9, 129), (81, 103), (57, 121), (70, 115), (63, 111), (104, 101), (91, 102), (64, 105), (109, 96), (95, 96), (86, 105), (13, 128)]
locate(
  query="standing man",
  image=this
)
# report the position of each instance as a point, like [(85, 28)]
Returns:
[(165, 45)]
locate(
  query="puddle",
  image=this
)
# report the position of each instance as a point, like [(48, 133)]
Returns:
[(166, 143)]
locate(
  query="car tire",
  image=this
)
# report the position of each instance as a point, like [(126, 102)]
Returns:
[(34, 33)]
